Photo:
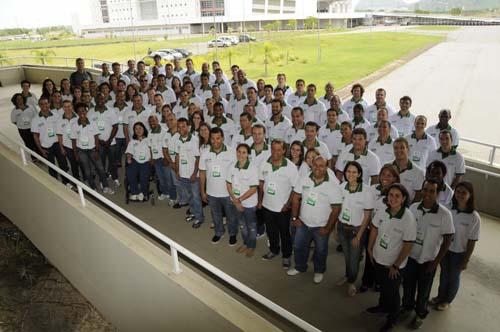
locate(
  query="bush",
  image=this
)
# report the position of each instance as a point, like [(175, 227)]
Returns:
[(304, 61), (251, 59)]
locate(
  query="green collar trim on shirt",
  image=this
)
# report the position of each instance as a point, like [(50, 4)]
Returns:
[(358, 122), (452, 152), (315, 102), (414, 136), (187, 139), (282, 118), (162, 89), (284, 163), (224, 148), (242, 132), (325, 179), (356, 157), (447, 127), (301, 128), (343, 141), (358, 189), (243, 97), (101, 110), (142, 109), (408, 167), (224, 120), (156, 130), (247, 163), (40, 114), (398, 215), (265, 148), (337, 127), (83, 123), (120, 107), (73, 115), (269, 102), (357, 102), (316, 143), (301, 95), (434, 208), (387, 141), (404, 116)]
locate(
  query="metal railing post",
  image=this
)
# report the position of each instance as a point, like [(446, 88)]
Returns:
[(82, 197), (492, 155), (23, 156), (175, 258)]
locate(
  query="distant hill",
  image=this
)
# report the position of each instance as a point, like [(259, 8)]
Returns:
[(431, 5)]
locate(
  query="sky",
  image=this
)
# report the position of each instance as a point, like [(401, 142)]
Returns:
[(40, 13)]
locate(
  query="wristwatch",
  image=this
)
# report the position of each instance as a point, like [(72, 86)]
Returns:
[(294, 218)]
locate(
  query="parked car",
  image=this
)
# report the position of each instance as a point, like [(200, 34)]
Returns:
[(219, 43), (185, 53), (165, 57), (174, 53), (232, 39), (246, 38)]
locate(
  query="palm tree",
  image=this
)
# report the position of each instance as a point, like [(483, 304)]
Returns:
[(42, 55)]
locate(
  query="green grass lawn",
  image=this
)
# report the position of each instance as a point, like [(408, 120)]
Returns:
[(436, 27), (344, 57)]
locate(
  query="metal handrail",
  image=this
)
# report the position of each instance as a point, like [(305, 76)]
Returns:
[(174, 246), (494, 147)]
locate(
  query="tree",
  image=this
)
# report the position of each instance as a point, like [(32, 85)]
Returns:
[(292, 24), (42, 55), (456, 11), (310, 22), (268, 56)]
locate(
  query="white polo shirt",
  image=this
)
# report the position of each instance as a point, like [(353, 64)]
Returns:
[(224, 87), (203, 93), (278, 183), (348, 106), (46, 128), (188, 149), (258, 158), (344, 146), (317, 200), (354, 204), (420, 149), (170, 143), (393, 232), (434, 132), (247, 83), (315, 112), (454, 161), (139, 149), (168, 95), (321, 147), (132, 117), (372, 132), (277, 131), (236, 106), (180, 111), (84, 134), (292, 134), (242, 179), (260, 111), (216, 167), (120, 114), (445, 196), (342, 116), (364, 123), (22, 117), (227, 127), (331, 137), (378, 198), (105, 121), (239, 138), (372, 110), (32, 100), (64, 129), (412, 178), (156, 141), (431, 226), (467, 228), (404, 123), (368, 160), (383, 150), (296, 99)]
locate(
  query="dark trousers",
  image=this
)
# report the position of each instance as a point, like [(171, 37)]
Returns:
[(368, 279), (278, 232), (138, 176), (75, 170), (417, 280), (120, 147), (87, 161), (27, 137), (261, 223), (389, 297), (449, 278), (108, 158), (53, 153)]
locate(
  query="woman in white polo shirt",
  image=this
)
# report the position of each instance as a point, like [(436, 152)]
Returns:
[(21, 116), (391, 239), (242, 183), (467, 224), (357, 207), (138, 156), (296, 154)]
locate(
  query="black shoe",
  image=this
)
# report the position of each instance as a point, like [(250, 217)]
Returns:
[(363, 289), (376, 310), (178, 206), (216, 239), (404, 313), (339, 248), (188, 212), (196, 223), (376, 288), (232, 240), (416, 323), (269, 256), (286, 263), (190, 218), (388, 326)]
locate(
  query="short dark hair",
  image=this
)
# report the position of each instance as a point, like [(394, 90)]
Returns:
[(358, 107), (359, 131), (14, 99), (358, 167), (298, 108), (312, 124), (406, 98), (280, 142), (183, 120), (259, 126), (217, 130), (348, 124), (436, 164), (246, 115), (25, 82), (80, 105), (243, 145)]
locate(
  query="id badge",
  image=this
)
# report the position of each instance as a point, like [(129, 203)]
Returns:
[(346, 215), (142, 155), (120, 119), (184, 160), (26, 121), (312, 198), (216, 171), (68, 132), (155, 149), (100, 125), (50, 132), (85, 141), (271, 188), (384, 241), (420, 237), (236, 189), (416, 156)]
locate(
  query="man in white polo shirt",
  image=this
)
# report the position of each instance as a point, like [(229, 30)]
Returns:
[(187, 158), (454, 161), (316, 206), (434, 234), (222, 122), (137, 113), (277, 125), (372, 131), (277, 177), (359, 120), (311, 142), (297, 131), (380, 102), (281, 79), (244, 135), (237, 102), (330, 134), (410, 175), (359, 152), (260, 108), (382, 145), (214, 168), (420, 143), (403, 120), (336, 105), (298, 97), (314, 110), (357, 92), (180, 109), (287, 109), (444, 124)]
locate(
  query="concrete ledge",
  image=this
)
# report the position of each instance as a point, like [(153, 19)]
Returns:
[(36, 73), (126, 276)]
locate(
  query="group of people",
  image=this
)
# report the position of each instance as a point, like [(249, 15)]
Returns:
[(271, 159)]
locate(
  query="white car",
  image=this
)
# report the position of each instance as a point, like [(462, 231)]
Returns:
[(163, 55), (172, 52), (219, 43), (232, 39)]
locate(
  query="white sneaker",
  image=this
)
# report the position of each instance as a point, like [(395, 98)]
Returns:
[(163, 197), (292, 272), (117, 183), (351, 290), (318, 277), (134, 198), (140, 197), (341, 281), (172, 202), (108, 190), (69, 185)]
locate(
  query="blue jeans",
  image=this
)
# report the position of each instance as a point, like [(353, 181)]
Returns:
[(137, 171), (449, 279), (351, 254), (192, 192), (172, 183), (217, 206), (121, 146), (162, 173), (301, 245), (87, 160), (248, 225), (416, 280), (108, 158)]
